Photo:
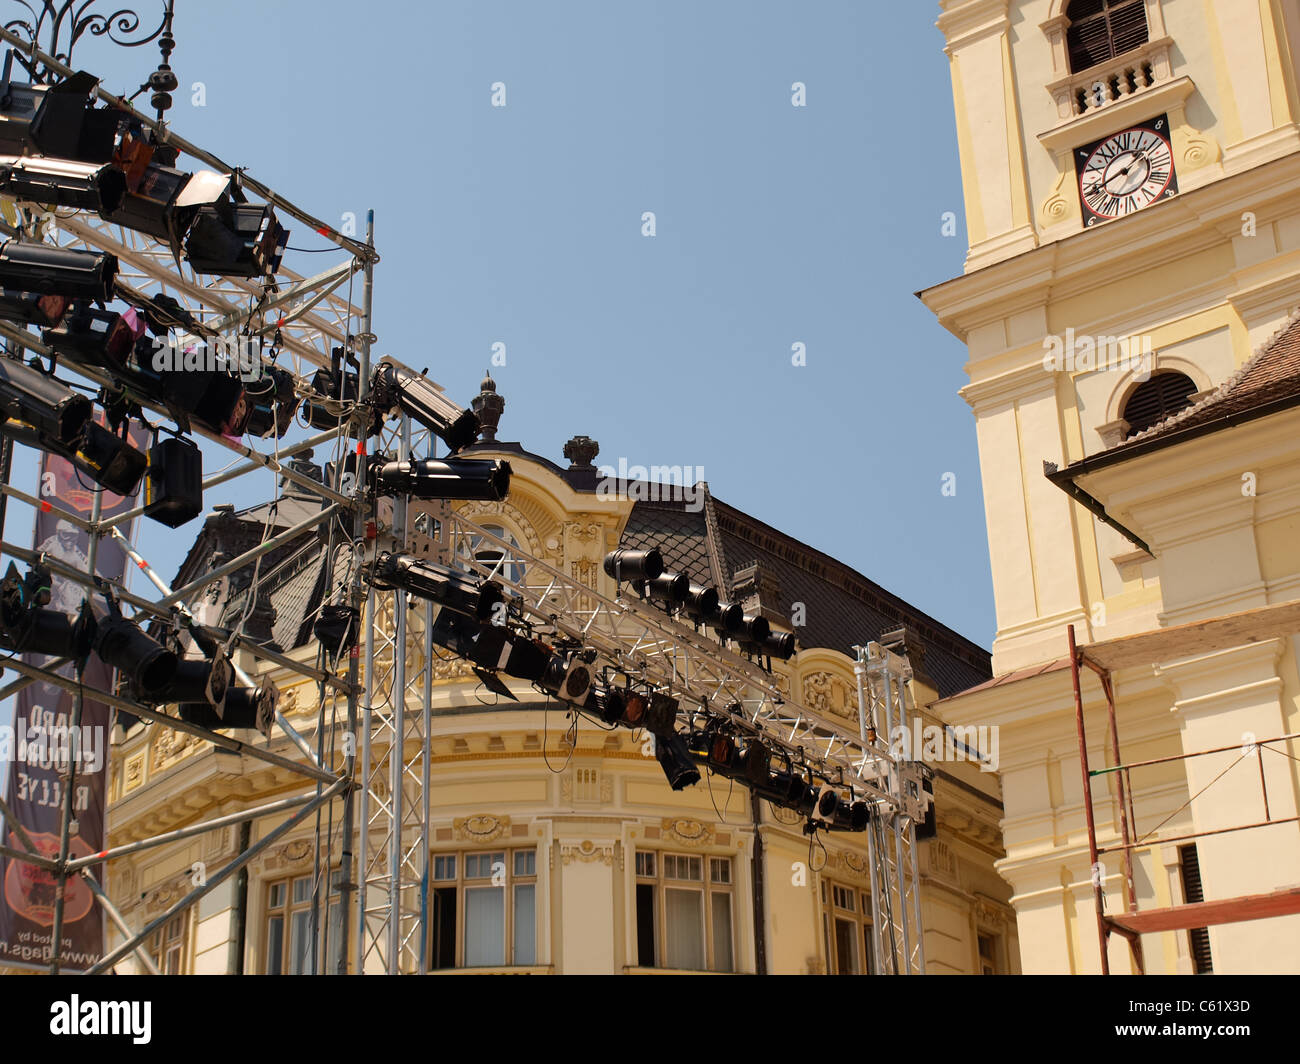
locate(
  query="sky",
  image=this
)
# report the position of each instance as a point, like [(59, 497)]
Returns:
[(523, 225)]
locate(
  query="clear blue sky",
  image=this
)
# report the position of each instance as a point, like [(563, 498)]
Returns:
[(522, 225)]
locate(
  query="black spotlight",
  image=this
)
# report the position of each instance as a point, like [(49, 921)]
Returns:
[(570, 677), (173, 491), (57, 271), (68, 126), (148, 206), (26, 628), (674, 756), (851, 816), (608, 704), (634, 566), (336, 629), (823, 811), (63, 183), (395, 388), (94, 337), (438, 583), (32, 308), (779, 645), (246, 707), (729, 618), (702, 602), (197, 679), (755, 761), (669, 589), (752, 630), (272, 402), (147, 664), (109, 459), (446, 478), (54, 410), (224, 235)]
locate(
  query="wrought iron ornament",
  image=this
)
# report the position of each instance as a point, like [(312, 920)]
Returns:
[(57, 27)]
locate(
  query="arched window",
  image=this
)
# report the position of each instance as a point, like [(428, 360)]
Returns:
[(488, 553), (1100, 30), (1156, 399)]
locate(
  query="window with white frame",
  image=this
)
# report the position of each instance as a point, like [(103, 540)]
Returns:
[(483, 909), (846, 924), (288, 926), (170, 944), (685, 910)]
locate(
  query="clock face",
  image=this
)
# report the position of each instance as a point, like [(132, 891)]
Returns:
[(1126, 171)]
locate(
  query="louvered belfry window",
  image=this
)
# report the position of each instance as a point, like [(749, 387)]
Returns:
[(1164, 395), (1103, 29)]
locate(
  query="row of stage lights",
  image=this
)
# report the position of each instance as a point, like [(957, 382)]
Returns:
[(203, 689), (475, 619)]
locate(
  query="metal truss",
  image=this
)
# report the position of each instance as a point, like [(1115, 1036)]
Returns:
[(297, 321), (883, 680)]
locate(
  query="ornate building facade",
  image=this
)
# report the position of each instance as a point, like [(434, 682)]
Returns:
[(558, 846), (1130, 178)]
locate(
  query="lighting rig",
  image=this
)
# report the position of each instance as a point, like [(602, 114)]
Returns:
[(677, 595)]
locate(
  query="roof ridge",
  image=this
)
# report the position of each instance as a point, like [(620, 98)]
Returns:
[(1219, 393)]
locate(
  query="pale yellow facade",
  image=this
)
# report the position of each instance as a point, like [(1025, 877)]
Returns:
[(1205, 278), (509, 781)]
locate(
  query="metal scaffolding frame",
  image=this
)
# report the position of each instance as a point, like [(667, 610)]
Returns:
[(1102, 659), (382, 835)]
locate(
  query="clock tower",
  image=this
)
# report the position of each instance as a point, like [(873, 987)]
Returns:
[(1131, 181)]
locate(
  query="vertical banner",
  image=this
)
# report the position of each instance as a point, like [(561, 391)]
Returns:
[(43, 746)]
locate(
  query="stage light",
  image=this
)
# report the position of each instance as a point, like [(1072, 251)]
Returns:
[(148, 206), (702, 602), (652, 710), (197, 679), (446, 478), (109, 459), (173, 490), (335, 393), (336, 629), (68, 126), (95, 187), (49, 270), (751, 630), (32, 308), (439, 583), (728, 618), (634, 566), (674, 756), (245, 707), (272, 403), (123, 644), (755, 761), (53, 409), (670, 589), (26, 628), (394, 388), (779, 645), (823, 811), (851, 816), (608, 704), (96, 337), (213, 397), (234, 239), (570, 677)]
